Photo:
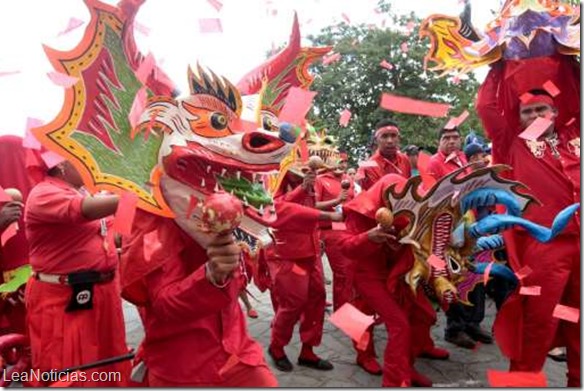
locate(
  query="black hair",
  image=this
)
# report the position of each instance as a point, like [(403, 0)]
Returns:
[(412, 150), (385, 122), (444, 130), (539, 91)]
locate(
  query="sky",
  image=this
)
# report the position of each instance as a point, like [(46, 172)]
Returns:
[(250, 29)]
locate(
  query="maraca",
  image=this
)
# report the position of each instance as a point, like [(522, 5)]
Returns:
[(345, 184), (384, 218), (222, 213), (315, 163), (13, 193)]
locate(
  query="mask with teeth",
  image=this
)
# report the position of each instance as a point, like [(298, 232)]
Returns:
[(124, 128)]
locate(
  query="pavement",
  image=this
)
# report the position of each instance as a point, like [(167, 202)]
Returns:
[(465, 368)]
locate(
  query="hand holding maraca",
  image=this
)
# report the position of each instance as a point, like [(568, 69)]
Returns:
[(222, 213), (11, 211)]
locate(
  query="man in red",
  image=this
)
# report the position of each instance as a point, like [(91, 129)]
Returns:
[(188, 284), (449, 156), (462, 321), (298, 279), (380, 281), (525, 328), (74, 308), (332, 189), (387, 159)]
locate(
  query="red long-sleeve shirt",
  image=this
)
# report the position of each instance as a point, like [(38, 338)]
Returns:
[(441, 165), (381, 166), (553, 180)]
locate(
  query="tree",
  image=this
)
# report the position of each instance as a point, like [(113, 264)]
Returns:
[(357, 80)]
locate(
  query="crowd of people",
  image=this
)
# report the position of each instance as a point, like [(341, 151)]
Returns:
[(73, 299)]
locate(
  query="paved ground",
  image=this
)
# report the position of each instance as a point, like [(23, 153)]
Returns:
[(465, 368)]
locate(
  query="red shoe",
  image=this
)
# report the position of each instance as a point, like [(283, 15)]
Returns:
[(419, 380), (369, 364), (435, 353), (252, 313)]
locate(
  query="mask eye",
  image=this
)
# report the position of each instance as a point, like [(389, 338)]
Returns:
[(328, 141), (218, 121), (267, 123)]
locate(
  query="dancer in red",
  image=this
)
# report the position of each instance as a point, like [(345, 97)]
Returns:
[(298, 278), (379, 280), (332, 189), (74, 308), (509, 102)]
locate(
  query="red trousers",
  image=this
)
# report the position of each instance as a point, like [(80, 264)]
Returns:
[(341, 266), (241, 375), (525, 324), (298, 286), (62, 339)]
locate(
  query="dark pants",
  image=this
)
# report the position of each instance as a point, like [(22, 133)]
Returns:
[(499, 289), (460, 317)]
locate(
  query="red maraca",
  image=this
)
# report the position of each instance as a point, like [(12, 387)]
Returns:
[(345, 184), (222, 213)]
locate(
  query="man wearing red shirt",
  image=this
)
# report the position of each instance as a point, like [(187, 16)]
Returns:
[(449, 156), (74, 308), (525, 327), (195, 330), (298, 279), (387, 159), (330, 194)]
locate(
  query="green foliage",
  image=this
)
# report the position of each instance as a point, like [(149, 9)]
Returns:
[(357, 81)]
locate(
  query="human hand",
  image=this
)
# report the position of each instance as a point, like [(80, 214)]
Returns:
[(10, 212), (308, 182), (224, 255), (343, 195), (382, 236)]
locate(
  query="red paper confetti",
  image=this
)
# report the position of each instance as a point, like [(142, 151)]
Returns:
[(146, 67), (30, 140), (569, 314), (487, 272), (351, 321), (8, 233), (364, 341), (151, 244), (530, 290), (51, 159), (386, 65), (427, 180), (368, 163), (346, 18), (125, 213), (62, 79), (536, 129), (216, 4), (412, 106), (9, 73), (404, 47), (345, 118), (436, 262), (73, 24), (571, 121), (524, 98), (551, 88), (210, 25), (303, 151), (334, 57), (298, 102), (457, 121), (338, 226), (138, 107), (524, 271), (298, 270), (141, 28), (516, 379)]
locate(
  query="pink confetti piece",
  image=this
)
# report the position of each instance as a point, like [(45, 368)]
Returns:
[(530, 290), (538, 127), (51, 159), (338, 226), (145, 69), (487, 272), (30, 140), (523, 272), (334, 57), (138, 106), (210, 25), (413, 106), (346, 18), (8, 233), (9, 73), (73, 24), (551, 88), (436, 262), (564, 312), (142, 29), (516, 379), (62, 79), (216, 4), (125, 213), (345, 117), (386, 65), (368, 163), (404, 47), (351, 321)]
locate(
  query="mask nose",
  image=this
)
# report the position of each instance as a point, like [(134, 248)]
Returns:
[(287, 132)]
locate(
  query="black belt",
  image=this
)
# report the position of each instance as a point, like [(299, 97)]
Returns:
[(82, 277)]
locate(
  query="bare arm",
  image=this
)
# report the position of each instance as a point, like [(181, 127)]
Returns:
[(93, 208)]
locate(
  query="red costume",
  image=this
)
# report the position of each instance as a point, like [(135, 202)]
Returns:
[(525, 328), (62, 241), (296, 270), (378, 166), (195, 332), (379, 279), (328, 187), (441, 165), (14, 253)]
